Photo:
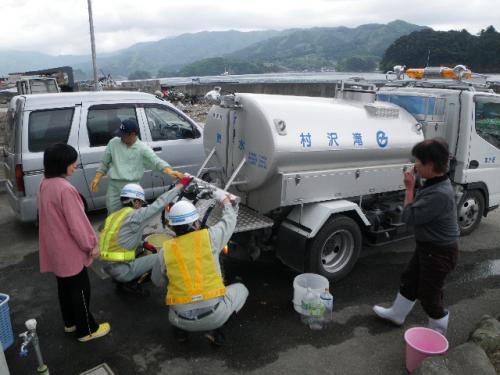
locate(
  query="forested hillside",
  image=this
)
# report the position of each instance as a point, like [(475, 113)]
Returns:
[(479, 52), (340, 48)]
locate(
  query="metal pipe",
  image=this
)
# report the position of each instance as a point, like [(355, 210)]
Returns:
[(233, 176), (242, 182), (205, 162), (212, 169), (92, 44), (38, 352)]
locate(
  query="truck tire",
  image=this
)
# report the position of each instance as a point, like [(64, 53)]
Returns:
[(470, 212), (336, 247)]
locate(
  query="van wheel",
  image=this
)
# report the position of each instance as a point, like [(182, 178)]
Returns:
[(470, 212), (336, 248)]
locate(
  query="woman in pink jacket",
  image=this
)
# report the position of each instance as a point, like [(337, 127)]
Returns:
[(67, 241)]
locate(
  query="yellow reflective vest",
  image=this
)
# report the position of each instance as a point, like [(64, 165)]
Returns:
[(111, 250), (192, 275)]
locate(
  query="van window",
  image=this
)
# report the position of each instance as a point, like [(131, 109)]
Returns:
[(488, 121), (166, 124), (104, 120), (48, 127)]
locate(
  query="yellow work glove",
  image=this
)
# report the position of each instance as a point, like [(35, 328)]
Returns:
[(172, 173), (95, 182)]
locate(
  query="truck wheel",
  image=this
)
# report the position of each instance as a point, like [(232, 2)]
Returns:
[(470, 212), (336, 247)]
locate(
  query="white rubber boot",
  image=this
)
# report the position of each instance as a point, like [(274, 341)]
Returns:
[(397, 313), (440, 325)]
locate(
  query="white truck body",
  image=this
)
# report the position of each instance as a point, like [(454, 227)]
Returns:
[(327, 173)]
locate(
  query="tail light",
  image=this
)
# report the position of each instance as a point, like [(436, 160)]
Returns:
[(19, 178)]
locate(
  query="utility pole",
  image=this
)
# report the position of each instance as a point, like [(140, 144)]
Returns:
[(92, 45)]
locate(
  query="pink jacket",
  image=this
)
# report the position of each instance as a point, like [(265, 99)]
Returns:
[(66, 237)]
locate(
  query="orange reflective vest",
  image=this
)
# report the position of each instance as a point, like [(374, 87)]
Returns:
[(111, 250), (191, 271)]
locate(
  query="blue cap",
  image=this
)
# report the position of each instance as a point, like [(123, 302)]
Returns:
[(129, 126)]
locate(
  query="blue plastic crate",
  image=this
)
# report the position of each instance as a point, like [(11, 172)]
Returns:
[(6, 335)]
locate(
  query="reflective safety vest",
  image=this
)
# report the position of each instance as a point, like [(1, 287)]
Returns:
[(192, 275), (111, 250)]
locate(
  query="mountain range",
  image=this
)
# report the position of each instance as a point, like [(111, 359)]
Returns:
[(291, 49)]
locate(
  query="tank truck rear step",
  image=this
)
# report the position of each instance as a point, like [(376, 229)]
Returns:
[(248, 219)]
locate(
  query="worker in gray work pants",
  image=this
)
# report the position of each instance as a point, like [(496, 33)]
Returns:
[(122, 235), (188, 267)]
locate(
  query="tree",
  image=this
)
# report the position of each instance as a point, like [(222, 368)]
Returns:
[(167, 72), (445, 48), (218, 65), (357, 64), (139, 74)]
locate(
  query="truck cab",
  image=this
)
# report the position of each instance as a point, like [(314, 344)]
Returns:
[(468, 118)]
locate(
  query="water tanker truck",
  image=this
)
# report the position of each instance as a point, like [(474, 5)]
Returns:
[(318, 178)]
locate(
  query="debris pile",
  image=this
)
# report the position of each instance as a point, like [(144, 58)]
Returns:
[(198, 112)]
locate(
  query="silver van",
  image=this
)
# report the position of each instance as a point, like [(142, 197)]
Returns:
[(87, 121)]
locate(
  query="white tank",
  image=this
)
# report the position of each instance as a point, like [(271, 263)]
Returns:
[(279, 133)]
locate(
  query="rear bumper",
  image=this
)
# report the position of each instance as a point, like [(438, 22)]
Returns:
[(25, 208)]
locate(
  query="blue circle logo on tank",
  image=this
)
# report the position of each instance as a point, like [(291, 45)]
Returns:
[(382, 139)]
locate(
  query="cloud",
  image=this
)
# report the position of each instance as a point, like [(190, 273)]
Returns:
[(61, 26)]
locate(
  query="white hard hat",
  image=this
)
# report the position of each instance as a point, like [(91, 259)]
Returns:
[(183, 212), (133, 191)]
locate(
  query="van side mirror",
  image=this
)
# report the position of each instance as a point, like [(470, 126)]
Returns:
[(195, 133)]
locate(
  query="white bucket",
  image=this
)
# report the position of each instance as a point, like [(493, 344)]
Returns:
[(316, 282)]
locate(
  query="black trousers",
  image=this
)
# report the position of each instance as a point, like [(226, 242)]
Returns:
[(424, 276), (74, 300)]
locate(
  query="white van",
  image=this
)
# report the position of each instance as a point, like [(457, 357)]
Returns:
[(87, 121)]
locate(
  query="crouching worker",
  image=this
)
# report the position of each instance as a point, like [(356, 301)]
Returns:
[(188, 266), (122, 236)]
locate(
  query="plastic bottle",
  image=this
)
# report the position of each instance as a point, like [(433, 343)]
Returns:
[(306, 303), (327, 301), (316, 313)]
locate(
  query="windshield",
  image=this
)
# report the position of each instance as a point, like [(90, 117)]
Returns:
[(39, 86), (416, 105)]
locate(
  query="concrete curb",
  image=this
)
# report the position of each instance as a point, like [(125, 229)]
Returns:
[(480, 355)]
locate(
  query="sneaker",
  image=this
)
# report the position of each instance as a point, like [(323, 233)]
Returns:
[(216, 337), (69, 329), (102, 330)]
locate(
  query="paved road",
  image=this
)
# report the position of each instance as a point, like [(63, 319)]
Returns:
[(268, 336)]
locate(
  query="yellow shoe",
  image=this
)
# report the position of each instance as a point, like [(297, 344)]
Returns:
[(103, 330), (69, 329)]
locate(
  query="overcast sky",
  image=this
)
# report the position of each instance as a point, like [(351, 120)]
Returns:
[(61, 26)]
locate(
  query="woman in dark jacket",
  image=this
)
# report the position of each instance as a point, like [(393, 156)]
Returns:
[(433, 213)]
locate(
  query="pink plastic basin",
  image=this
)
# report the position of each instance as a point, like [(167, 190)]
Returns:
[(421, 343)]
